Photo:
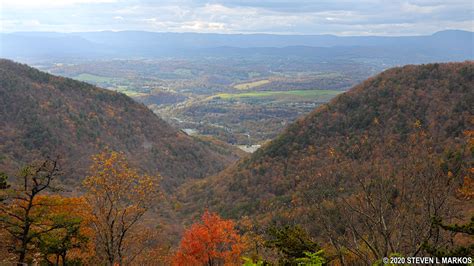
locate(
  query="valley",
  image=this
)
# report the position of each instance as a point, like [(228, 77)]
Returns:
[(243, 102)]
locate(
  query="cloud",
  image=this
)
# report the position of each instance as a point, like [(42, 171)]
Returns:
[(342, 17), (413, 8), (20, 23), (203, 26), (49, 3)]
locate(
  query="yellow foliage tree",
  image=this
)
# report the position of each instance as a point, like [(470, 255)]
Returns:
[(118, 197)]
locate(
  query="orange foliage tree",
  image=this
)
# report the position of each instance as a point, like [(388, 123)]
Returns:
[(37, 227), (67, 240), (118, 197), (214, 241), (19, 208)]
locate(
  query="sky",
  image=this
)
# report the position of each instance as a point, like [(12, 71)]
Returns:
[(339, 17)]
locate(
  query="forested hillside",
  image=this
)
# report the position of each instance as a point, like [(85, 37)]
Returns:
[(366, 173), (44, 115)]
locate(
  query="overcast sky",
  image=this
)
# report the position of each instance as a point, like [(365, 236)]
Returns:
[(340, 17)]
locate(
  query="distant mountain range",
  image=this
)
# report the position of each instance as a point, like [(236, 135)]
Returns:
[(450, 45)]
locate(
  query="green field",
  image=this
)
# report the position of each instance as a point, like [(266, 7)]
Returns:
[(250, 85), (93, 78), (125, 90), (291, 95)]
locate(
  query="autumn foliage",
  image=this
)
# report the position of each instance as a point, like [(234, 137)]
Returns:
[(119, 197), (214, 241), (69, 239), (39, 227)]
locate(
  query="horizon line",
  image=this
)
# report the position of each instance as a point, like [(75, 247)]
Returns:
[(236, 33)]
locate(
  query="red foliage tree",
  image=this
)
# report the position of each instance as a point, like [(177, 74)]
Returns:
[(214, 241)]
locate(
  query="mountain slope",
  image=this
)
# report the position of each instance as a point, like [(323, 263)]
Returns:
[(45, 115), (373, 128)]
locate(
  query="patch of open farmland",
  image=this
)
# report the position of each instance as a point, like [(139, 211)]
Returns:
[(300, 95), (250, 85), (86, 77)]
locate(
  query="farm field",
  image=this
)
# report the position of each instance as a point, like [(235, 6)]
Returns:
[(86, 77), (303, 95), (250, 85), (127, 91)]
